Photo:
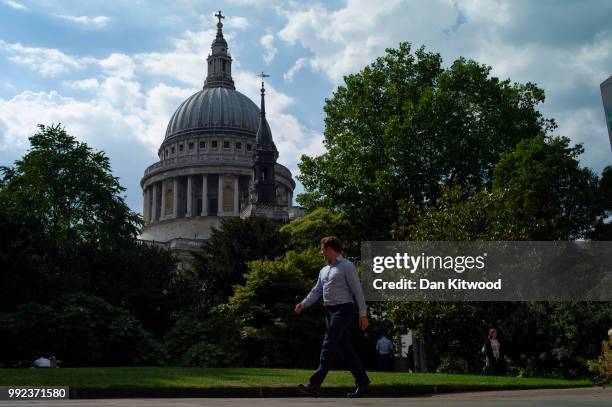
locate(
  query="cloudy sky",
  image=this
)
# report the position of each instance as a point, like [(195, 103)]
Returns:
[(113, 72)]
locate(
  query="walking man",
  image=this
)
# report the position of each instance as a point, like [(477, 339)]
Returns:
[(338, 283)]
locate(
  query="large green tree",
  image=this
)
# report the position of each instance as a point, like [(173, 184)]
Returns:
[(549, 190), (306, 232), (56, 203), (405, 125), (539, 192), (69, 190), (222, 262), (65, 228)]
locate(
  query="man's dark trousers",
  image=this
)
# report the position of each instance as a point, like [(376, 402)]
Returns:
[(338, 319)]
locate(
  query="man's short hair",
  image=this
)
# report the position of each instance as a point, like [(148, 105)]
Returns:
[(333, 242)]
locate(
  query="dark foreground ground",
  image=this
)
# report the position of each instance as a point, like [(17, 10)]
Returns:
[(579, 397)]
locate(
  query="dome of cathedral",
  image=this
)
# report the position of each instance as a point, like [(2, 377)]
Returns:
[(217, 160), (215, 109)]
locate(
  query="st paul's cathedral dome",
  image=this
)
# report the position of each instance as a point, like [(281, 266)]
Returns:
[(217, 160)]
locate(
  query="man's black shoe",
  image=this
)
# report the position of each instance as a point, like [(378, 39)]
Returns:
[(359, 391), (309, 389)]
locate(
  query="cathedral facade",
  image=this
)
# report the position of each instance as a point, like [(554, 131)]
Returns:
[(217, 160)]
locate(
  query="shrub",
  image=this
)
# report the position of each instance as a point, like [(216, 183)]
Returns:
[(80, 330), (602, 367), (210, 339)]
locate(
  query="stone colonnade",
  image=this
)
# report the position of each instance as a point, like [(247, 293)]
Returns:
[(192, 195)]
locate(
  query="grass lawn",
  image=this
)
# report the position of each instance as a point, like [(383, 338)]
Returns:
[(169, 377)]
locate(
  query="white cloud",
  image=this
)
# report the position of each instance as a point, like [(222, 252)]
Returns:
[(347, 39), (568, 55), (267, 42), (236, 22), (96, 22), (119, 65), (185, 62), (160, 103), (23, 112), (15, 5), (121, 93), (47, 61), (82, 84), (299, 64)]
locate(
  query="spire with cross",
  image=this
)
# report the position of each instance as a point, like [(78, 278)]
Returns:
[(219, 24), (219, 62), (264, 136), (263, 75), (264, 159)]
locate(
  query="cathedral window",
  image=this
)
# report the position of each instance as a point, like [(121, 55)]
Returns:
[(202, 144), (191, 145), (214, 143), (226, 144), (248, 147), (180, 147), (172, 150), (238, 145)]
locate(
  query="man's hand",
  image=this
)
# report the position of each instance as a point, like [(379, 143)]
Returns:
[(299, 307), (363, 323)]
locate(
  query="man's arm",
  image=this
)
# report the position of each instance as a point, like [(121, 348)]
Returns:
[(314, 294), (355, 286)]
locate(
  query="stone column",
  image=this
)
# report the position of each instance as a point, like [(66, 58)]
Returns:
[(150, 214), (162, 215), (204, 195), (154, 203), (220, 196), (175, 198), (189, 196), (236, 195), (147, 205), (145, 195)]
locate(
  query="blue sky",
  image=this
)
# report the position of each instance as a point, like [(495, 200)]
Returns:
[(113, 72)]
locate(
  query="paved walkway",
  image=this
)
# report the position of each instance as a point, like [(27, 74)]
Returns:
[(583, 397)]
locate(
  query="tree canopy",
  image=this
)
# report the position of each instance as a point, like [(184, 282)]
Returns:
[(67, 189), (405, 126), (539, 192), (65, 228), (222, 262)]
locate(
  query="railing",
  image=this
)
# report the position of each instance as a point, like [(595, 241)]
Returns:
[(176, 244), (213, 159)]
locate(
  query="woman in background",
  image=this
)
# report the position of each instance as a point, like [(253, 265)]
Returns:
[(494, 354)]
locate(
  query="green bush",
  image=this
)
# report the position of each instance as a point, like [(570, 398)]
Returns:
[(272, 334), (602, 367), (80, 330), (450, 364), (210, 340)]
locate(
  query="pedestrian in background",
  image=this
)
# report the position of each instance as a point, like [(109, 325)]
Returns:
[(384, 350), (494, 354)]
